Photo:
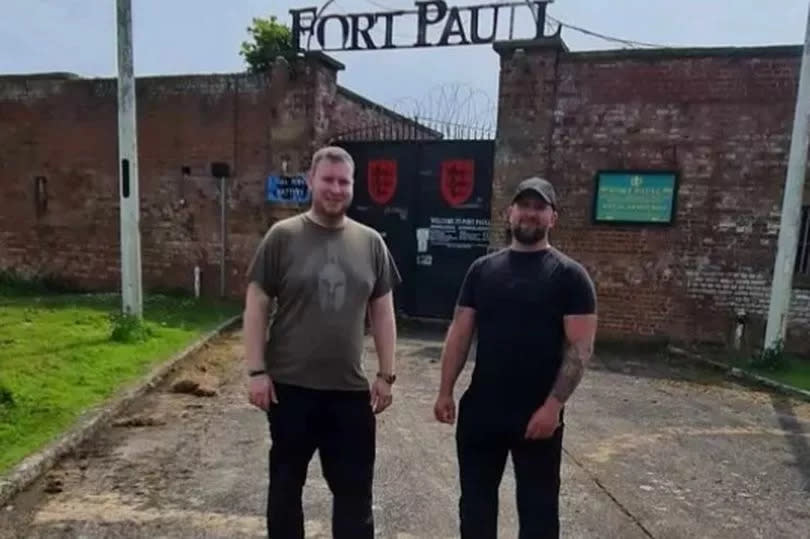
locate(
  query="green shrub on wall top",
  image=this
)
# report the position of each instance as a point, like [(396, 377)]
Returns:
[(269, 39)]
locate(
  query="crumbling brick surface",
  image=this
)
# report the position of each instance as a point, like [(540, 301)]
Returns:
[(66, 131)]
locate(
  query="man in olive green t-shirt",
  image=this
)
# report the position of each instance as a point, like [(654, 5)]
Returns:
[(325, 272)]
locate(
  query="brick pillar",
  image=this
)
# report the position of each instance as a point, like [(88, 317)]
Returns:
[(526, 102), (324, 80)]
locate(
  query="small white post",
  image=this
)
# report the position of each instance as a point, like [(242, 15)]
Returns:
[(222, 203), (196, 281)]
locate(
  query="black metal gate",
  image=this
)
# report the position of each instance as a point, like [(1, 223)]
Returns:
[(430, 199)]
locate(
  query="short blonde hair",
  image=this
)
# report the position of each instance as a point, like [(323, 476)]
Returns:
[(334, 154)]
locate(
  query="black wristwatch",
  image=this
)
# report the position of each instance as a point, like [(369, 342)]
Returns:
[(256, 372), (389, 378)]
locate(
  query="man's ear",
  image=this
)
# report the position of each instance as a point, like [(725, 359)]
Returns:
[(507, 213)]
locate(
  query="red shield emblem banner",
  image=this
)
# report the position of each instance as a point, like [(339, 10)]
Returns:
[(382, 180), (457, 180)]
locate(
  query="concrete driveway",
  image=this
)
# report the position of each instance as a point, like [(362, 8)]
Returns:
[(654, 448)]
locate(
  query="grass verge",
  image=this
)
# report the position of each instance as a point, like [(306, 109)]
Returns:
[(61, 354), (792, 371)]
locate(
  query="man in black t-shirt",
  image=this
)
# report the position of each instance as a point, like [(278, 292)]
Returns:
[(534, 309)]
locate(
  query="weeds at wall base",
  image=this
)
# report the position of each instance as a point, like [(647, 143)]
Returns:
[(14, 283), (770, 359)]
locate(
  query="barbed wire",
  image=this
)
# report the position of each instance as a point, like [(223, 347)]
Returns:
[(456, 103), (460, 104)]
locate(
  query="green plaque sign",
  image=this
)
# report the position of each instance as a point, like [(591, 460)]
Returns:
[(629, 196)]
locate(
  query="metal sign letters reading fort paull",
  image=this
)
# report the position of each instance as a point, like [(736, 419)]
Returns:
[(462, 25)]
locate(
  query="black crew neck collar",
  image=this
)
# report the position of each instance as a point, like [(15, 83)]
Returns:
[(529, 254)]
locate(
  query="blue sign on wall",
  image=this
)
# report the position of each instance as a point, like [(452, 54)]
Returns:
[(290, 189)]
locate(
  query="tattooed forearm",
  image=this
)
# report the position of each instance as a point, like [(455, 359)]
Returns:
[(577, 355)]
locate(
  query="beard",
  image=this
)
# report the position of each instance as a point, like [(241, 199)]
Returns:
[(528, 234), (332, 209)]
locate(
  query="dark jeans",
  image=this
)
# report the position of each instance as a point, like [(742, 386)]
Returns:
[(342, 426), (484, 438)]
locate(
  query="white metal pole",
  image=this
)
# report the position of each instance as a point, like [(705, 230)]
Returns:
[(782, 284), (131, 290)]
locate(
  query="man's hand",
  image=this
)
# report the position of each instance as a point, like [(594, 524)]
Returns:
[(454, 355), (381, 397), (544, 421), (445, 409), (384, 328), (260, 388), (261, 391)]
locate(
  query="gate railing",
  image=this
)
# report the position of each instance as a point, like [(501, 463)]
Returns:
[(414, 129)]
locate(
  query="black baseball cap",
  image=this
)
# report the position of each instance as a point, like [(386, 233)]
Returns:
[(537, 185)]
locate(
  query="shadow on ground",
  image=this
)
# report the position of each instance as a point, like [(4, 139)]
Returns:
[(796, 435), (659, 365), (653, 362)]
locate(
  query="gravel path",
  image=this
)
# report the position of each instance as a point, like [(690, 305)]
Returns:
[(652, 449)]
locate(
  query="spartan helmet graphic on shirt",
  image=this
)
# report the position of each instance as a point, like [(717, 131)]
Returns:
[(331, 282)]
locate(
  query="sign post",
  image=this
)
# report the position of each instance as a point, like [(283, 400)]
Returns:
[(221, 171)]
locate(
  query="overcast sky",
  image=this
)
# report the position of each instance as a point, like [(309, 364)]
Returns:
[(203, 36)]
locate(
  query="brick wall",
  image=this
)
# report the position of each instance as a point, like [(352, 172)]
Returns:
[(65, 129), (721, 117), (355, 118)]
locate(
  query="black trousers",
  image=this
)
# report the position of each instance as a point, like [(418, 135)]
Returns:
[(484, 438), (342, 427)]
